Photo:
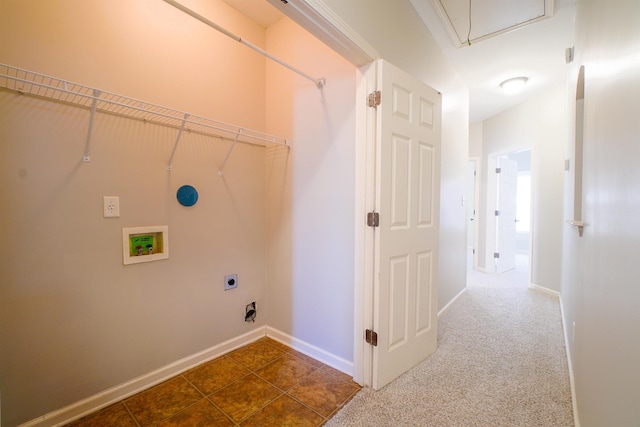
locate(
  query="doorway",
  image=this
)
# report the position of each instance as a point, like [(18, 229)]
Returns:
[(504, 235), (523, 210)]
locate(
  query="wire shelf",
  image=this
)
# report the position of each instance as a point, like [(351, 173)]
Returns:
[(36, 84)]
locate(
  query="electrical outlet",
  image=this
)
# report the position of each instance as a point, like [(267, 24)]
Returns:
[(230, 282), (111, 206)]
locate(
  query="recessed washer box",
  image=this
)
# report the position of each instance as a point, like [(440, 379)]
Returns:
[(144, 244)]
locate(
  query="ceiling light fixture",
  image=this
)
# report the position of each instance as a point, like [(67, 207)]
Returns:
[(514, 85)]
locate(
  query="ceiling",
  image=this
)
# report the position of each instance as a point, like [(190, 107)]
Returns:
[(470, 22), (261, 12), (508, 38)]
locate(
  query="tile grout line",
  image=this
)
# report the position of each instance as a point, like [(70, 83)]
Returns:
[(135, 420), (204, 397), (291, 352), (291, 360)]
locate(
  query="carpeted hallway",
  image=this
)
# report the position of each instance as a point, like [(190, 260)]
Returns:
[(500, 361)]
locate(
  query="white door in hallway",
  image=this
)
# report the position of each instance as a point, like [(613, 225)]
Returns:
[(406, 245), (506, 215)]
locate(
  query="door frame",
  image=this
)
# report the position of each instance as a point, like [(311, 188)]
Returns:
[(476, 203), (364, 235), (490, 207)]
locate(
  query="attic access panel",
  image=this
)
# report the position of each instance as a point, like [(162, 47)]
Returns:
[(488, 18)]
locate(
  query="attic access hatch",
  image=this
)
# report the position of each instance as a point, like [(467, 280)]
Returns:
[(471, 21)]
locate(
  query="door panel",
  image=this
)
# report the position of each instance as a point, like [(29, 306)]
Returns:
[(407, 191), (425, 192), (424, 297), (399, 293), (400, 174)]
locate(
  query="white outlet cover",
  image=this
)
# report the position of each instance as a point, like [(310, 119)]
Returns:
[(111, 206)]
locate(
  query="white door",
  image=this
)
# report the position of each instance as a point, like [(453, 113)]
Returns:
[(506, 215), (407, 194)]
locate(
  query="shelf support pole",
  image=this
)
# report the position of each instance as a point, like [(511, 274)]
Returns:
[(87, 149), (224, 162), (175, 146)]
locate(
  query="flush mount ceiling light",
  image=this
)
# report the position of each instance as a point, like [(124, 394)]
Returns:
[(514, 85)]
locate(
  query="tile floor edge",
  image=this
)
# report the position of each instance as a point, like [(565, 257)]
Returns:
[(117, 393)]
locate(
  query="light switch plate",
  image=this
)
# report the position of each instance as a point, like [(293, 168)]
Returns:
[(111, 205)]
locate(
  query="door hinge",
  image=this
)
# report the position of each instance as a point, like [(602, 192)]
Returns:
[(497, 213), (498, 170), (496, 255), (374, 99), (371, 337), (373, 219)]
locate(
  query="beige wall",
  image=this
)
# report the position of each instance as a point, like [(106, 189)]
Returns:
[(600, 291), (98, 323), (74, 320)]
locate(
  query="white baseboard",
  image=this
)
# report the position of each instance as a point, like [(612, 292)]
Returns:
[(545, 290), (115, 394), (574, 401), (446, 307), (310, 350), (103, 399)]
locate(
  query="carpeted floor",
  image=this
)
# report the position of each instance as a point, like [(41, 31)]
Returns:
[(500, 361)]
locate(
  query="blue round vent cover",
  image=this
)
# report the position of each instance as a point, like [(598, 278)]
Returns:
[(187, 195)]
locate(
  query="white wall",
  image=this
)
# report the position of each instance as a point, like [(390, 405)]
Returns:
[(475, 139), (539, 124), (311, 225), (395, 30), (600, 290)]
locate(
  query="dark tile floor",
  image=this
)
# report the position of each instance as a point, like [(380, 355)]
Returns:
[(264, 383)]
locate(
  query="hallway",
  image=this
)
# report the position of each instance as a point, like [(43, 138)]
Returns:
[(520, 276), (500, 361)]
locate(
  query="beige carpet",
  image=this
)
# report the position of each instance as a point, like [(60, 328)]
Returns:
[(500, 361)]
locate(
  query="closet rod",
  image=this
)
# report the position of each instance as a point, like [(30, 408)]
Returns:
[(319, 82)]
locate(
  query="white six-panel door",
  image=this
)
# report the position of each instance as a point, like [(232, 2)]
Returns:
[(408, 183)]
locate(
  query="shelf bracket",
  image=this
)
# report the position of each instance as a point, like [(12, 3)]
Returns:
[(175, 146), (224, 162), (579, 225), (87, 149)]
